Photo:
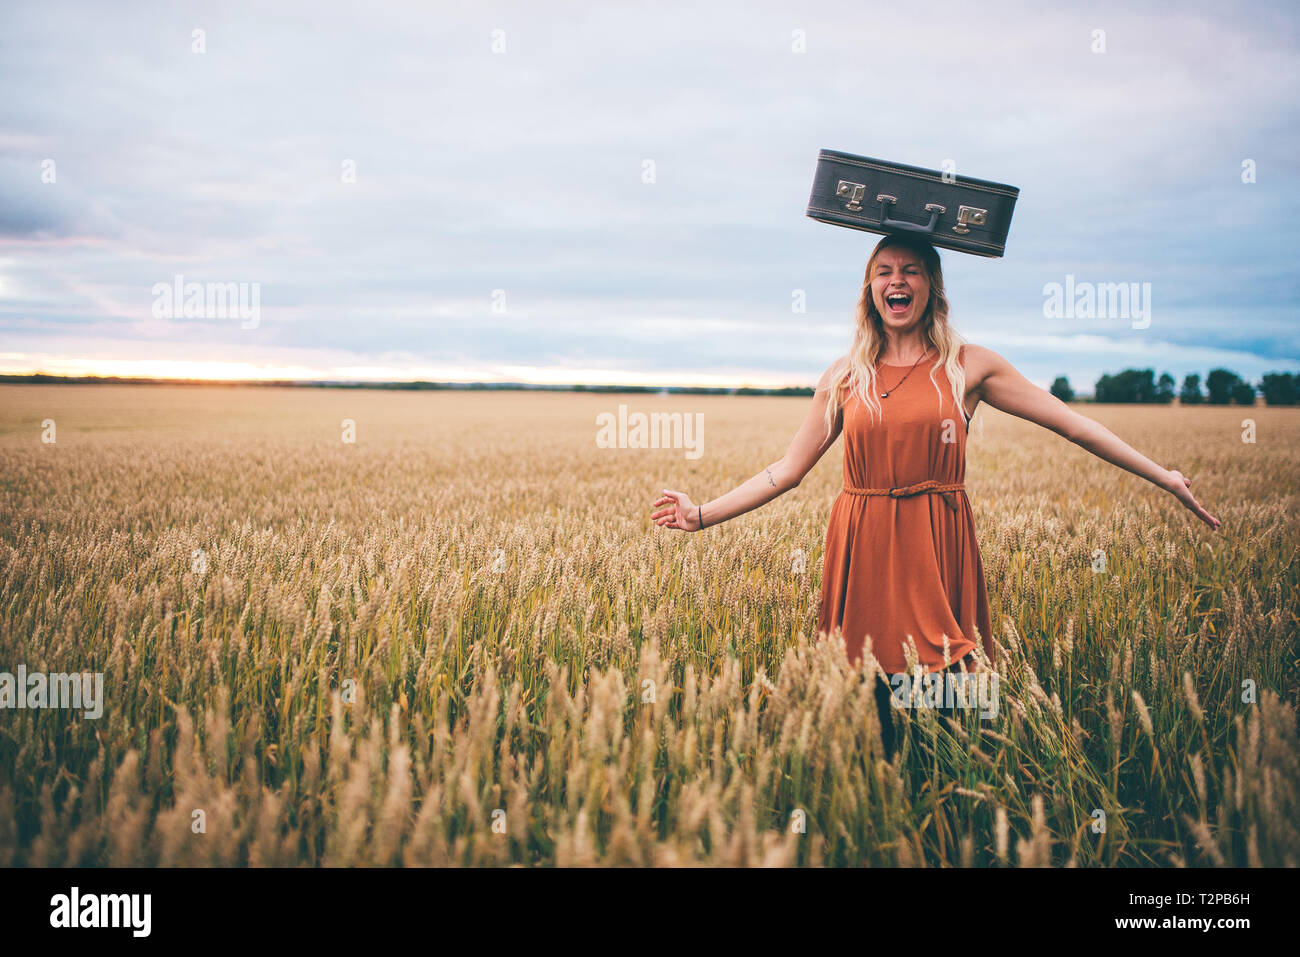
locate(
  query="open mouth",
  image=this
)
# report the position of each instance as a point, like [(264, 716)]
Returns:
[(898, 302)]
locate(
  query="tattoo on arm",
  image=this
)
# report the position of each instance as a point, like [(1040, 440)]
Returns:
[(769, 476)]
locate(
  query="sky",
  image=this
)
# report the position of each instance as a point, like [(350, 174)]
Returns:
[(602, 193)]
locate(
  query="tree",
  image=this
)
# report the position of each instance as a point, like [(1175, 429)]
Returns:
[(1191, 393), (1061, 389), (1165, 389), (1219, 384), (1280, 388), (1243, 393), (1131, 385)]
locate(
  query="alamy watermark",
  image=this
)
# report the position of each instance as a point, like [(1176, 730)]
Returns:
[(179, 299), (656, 430), (1098, 300), (76, 909), (76, 690), (971, 691)]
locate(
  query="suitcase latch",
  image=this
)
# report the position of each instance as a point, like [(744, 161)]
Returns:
[(968, 216), (854, 192)]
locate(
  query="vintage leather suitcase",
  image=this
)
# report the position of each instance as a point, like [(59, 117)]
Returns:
[(967, 214)]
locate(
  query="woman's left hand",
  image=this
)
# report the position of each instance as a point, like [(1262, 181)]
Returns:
[(1180, 486)]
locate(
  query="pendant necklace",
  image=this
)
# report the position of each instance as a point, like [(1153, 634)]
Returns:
[(885, 394)]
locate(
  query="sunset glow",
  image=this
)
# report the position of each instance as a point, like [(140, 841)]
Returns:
[(218, 371)]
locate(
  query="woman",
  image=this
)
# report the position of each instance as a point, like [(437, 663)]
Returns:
[(901, 563)]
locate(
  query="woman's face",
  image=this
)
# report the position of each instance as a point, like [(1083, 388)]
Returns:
[(900, 288)]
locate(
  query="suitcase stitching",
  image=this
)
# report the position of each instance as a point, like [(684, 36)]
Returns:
[(905, 169), (1003, 190), (935, 179)]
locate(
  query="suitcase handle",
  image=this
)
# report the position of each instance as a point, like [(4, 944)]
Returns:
[(934, 209)]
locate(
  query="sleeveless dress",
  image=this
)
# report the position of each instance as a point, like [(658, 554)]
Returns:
[(900, 566)]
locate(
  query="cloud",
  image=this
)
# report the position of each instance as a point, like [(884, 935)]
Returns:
[(631, 179)]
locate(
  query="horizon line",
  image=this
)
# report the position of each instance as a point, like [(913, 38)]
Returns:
[(52, 378)]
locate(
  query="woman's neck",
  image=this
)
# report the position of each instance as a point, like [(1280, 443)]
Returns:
[(904, 353)]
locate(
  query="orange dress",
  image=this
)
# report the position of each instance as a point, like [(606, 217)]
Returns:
[(910, 564)]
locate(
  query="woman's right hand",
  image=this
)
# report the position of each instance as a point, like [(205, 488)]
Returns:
[(679, 511), (1181, 488)]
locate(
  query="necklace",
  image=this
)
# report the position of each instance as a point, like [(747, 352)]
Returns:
[(885, 394)]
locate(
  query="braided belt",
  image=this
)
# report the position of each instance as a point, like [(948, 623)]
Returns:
[(921, 488)]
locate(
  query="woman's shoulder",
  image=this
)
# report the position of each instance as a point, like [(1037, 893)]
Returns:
[(977, 363), (973, 358), (834, 371)]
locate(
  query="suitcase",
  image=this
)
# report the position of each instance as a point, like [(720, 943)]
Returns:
[(967, 214)]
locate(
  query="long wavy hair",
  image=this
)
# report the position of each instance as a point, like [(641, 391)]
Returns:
[(868, 344)]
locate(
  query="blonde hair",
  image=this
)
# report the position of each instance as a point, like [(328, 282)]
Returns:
[(868, 345)]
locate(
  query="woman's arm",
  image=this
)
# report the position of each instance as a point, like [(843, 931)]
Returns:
[(1003, 387), (808, 445)]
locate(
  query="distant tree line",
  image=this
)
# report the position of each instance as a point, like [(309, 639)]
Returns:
[(1222, 387), (43, 378)]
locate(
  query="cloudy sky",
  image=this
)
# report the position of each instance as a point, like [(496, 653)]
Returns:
[(615, 192)]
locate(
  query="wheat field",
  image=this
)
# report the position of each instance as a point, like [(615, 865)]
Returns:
[(460, 640)]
